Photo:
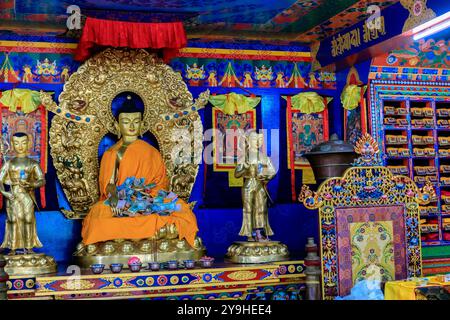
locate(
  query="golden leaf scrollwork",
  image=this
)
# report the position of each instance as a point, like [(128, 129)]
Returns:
[(242, 275), (427, 193), (309, 198), (78, 284)]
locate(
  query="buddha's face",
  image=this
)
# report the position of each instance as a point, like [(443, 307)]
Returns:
[(20, 145), (130, 124)]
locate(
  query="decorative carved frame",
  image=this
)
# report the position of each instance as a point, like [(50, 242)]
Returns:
[(86, 103), (366, 184)]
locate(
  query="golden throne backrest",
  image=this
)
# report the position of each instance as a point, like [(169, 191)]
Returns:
[(83, 117), (366, 184)]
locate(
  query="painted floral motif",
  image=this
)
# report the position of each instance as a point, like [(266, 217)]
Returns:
[(372, 251), (424, 53)]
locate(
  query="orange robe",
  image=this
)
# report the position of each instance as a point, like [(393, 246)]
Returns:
[(140, 160)]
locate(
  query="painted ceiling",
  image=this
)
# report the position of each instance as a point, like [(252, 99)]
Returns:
[(289, 20)]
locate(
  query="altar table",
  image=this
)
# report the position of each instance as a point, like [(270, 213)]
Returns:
[(222, 281), (417, 289)]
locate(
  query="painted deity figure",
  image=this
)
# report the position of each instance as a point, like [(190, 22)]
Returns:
[(279, 81), (212, 80), (257, 170), (132, 157), (22, 174), (307, 138), (27, 74), (248, 81), (64, 74), (313, 83)]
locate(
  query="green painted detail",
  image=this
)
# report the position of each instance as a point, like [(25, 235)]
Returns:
[(324, 12), (432, 266), (431, 252)]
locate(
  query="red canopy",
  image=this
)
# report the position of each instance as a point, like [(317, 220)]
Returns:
[(168, 36)]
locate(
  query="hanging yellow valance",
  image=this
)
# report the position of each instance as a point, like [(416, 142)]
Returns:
[(309, 102), (232, 102), (28, 100), (351, 96)]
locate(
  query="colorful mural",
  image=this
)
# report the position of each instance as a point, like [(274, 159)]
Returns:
[(426, 60), (36, 67), (424, 53), (251, 73), (272, 68)]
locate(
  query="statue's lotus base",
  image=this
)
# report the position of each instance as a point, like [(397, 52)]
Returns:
[(147, 250), (257, 252), (29, 264)]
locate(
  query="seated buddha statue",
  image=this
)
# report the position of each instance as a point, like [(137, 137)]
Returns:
[(104, 233)]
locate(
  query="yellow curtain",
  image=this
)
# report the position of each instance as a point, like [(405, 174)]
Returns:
[(28, 100), (351, 96), (309, 102), (233, 102)]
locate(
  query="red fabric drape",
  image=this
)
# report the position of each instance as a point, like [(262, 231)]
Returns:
[(326, 126), (291, 148), (168, 36), (1, 155), (362, 103)]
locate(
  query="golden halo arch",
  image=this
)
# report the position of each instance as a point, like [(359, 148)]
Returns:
[(84, 116)]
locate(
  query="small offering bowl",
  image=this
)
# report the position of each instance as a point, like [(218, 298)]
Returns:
[(154, 266), (172, 264), (206, 262), (97, 268), (135, 267), (189, 264), (116, 267)]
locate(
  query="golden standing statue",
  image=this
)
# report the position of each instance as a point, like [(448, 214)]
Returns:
[(22, 174), (257, 170)]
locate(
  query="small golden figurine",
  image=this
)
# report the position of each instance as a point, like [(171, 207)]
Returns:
[(22, 174), (257, 170)]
